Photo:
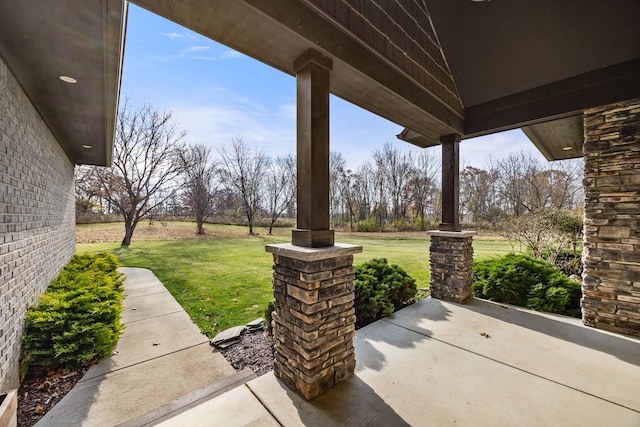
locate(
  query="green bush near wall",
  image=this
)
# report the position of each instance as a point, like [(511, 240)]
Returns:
[(527, 282), (380, 289), (77, 319)]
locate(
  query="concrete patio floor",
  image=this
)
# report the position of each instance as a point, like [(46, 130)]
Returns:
[(438, 363)]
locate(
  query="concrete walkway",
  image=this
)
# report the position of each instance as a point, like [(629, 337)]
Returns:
[(160, 358), (437, 364)]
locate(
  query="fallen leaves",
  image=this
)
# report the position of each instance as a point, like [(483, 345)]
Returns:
[(40, 391)]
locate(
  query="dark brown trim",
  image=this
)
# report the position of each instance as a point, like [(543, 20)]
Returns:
[(556, 100), (450, 183)]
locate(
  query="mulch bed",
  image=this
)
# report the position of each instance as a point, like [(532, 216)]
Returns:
[(254, 350), (41, 390)]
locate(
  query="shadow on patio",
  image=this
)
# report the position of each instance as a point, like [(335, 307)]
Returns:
[(437, 363)]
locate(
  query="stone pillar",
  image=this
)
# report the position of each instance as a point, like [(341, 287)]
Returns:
[(451, 262), (313, 318), (312, 150), (611, 277)]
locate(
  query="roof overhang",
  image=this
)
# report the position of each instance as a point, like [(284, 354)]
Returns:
[(558, 139), (438, 68), (519, 64), (278, 32), (41, 40), (435, 67)]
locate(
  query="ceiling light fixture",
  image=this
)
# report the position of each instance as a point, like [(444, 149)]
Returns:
[(87, 146), (567, 148), (68, 79)]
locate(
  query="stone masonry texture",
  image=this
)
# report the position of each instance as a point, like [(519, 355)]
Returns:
[(37, 225), (451, 263), (611, 277), (313, 322)]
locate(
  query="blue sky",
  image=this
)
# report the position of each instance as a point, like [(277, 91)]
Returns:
[(216, 94)]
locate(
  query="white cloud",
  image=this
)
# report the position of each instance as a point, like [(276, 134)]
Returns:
[(231, 54), (217, 124), (478, 151), (227, 54), (197, 48), (182, 35), (287, 112)]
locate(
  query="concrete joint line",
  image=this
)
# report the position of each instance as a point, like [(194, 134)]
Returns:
[(281, 423), (85, 378)]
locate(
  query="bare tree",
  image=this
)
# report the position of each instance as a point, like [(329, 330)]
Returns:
[(243, 171), (87, 189), (364, 191), (393, 167), (527, 185), (280, 187), (200, 184), (422, 183), (146, 161), (336, 171), (477, 193)]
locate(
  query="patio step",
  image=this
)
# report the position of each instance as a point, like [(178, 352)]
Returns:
[(191, 400)]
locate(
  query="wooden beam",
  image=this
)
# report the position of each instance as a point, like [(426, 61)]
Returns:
[(450, 183), (312, 78)]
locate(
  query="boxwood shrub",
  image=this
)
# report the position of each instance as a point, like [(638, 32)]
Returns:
[(527, 282), (380, 289), (77, 319)]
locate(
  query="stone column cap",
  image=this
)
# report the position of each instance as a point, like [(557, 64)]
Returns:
[(313, 254), (457, 234)]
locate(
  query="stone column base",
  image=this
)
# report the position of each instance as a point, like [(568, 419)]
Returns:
[(451, 261), (313, 318)]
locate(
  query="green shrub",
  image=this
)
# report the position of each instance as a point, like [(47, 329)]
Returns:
[(526, 282), (368, 224), (380, 289), (77, 319)]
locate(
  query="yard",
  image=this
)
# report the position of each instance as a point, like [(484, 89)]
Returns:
[(223, 279)]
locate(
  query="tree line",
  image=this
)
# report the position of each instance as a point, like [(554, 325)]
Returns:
[(155, 173)]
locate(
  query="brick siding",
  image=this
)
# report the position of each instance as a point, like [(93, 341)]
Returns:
[(37, 225)]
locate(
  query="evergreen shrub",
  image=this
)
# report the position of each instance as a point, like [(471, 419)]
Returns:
[(77, 319), (380, 289), (527, 282)]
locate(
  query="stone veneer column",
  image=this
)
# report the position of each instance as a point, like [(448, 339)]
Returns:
[(451, 262), (313, 318), (611, 277)]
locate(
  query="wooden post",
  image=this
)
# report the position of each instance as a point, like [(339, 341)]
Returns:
[(450, 183), (312, 76)]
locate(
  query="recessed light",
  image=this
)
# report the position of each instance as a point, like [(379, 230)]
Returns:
[(68, 79), (567, 148), (87, 146)]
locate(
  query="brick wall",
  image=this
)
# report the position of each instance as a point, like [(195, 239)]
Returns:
[(611, 278), (37, 234)]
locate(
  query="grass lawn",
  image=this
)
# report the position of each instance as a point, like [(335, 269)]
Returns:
[(224, 279)]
